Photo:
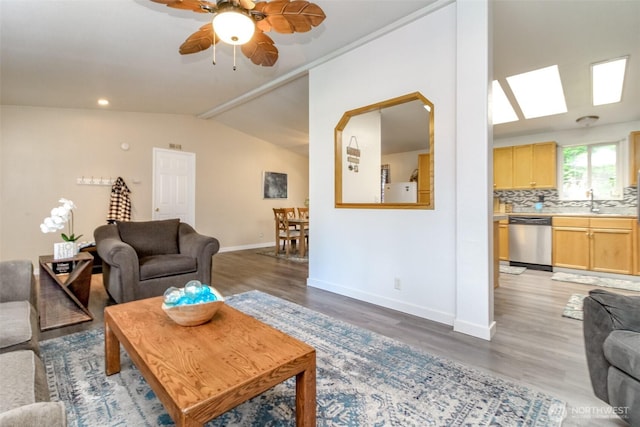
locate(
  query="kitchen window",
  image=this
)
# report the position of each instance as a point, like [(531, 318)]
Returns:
[(592, 166)]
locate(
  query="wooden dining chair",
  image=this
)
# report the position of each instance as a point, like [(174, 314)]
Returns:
[(291, 214), (284, 232), (303, 213)]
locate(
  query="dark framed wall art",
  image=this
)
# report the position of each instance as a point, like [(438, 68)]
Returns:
[(274, 185)]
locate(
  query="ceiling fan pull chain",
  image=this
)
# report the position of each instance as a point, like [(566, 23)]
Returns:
[(234, 57), (214, 52)]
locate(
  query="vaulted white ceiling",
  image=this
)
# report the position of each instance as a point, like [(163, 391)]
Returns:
[(68, 53), (529, 35)]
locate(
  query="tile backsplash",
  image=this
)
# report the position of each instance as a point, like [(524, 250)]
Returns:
[(524, 201)]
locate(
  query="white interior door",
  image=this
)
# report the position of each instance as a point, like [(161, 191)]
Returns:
[(174, 183)]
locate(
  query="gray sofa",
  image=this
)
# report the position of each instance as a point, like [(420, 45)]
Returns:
[(24, 392), (612, 344), (142, 259)]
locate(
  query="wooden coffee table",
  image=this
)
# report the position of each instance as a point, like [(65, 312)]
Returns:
[(200, 372)]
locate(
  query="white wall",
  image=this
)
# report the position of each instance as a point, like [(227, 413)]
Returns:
[(362, 186), (359, 252), (44, 150)]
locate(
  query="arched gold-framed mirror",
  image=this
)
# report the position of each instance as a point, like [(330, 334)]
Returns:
[(384, 155)]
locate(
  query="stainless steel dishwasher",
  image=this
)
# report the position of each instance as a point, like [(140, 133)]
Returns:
[(530, 242)]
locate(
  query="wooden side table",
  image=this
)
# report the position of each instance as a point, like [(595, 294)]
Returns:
[(64, 298)]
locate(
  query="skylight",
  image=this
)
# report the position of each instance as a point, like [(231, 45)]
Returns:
[(607, 78), (539, 93), (502, 110)]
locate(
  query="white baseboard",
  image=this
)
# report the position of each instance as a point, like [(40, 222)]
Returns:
[(245, 247), (479, 331), (402, 306), (475, 330)]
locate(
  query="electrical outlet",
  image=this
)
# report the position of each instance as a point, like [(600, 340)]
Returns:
[(396, 284), (261, 235)]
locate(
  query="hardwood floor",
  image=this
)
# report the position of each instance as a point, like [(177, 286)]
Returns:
[(534, 345)]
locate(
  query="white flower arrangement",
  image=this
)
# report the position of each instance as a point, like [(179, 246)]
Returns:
[(59, 217)]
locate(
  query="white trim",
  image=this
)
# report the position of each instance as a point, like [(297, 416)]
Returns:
[(245, 247), (476, 330), (426, 313)]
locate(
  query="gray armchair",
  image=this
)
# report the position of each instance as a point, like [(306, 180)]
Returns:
[(143, 259), (612, 344)]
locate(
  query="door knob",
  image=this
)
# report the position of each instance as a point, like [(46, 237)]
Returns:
[(157, 209)]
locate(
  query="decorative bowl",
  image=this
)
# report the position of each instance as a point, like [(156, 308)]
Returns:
[(194, 314)]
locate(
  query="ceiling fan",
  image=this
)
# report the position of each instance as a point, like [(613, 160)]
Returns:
[(243, 22)]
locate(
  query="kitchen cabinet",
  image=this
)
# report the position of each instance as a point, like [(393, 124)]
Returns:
[(503, 239), (502, 168), (612, 245), (534, 166), (424, 178), (570, 242), (593, 243), (525, 166), (634, 155)]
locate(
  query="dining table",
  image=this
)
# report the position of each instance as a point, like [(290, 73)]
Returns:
[(302, 225)]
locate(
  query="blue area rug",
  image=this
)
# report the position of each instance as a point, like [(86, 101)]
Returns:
[(363, 379)]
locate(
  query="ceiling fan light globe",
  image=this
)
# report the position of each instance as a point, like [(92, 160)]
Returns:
[(233, 27)]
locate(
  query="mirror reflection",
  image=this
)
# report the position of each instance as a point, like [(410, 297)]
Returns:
[(384, 155)]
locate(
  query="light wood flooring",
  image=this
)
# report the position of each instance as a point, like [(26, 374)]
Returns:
[(534, 345)]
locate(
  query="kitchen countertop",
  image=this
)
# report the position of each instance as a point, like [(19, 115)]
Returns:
[(590, 214)]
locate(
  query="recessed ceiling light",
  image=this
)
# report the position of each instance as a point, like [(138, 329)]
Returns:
[(606, 81), (502, 110), (539, 93), (103, 102)]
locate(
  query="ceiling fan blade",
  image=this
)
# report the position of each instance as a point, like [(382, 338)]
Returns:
[(261, 50), (247, 4), (285, 16), (200, 40), (263, 25), (200, 6)]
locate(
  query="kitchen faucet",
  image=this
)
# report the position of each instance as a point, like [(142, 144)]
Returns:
[(593, 208)]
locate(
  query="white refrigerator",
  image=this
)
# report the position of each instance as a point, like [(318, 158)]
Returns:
[(401, 192)]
